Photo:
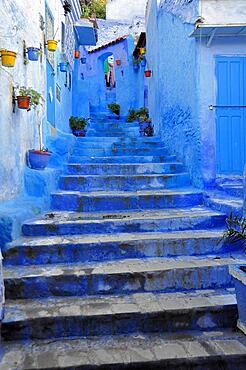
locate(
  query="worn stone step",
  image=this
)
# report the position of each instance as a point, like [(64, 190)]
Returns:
[(122, 159), (234, 190), (224, 203), (124, 168), (115, 315), (125, 200), (106, 247), (116, 151), (119, 277), (189, 350), (64, 223), (123, 182)]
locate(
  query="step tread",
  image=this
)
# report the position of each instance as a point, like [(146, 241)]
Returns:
[(115, 237), (170, 349), (125, 164), (127, 266), (84, 217), (115, 176), (31, 309), (225, 199)]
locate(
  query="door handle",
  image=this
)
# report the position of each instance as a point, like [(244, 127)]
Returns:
[(211, 107)]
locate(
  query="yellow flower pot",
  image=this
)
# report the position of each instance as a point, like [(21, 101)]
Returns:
[(142, 51), (8, 58), (52, 45)]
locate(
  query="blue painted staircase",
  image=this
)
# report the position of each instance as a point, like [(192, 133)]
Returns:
[(127, 271)]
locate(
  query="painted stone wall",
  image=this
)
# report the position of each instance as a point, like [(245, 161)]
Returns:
[(172, 56), (125, 9)]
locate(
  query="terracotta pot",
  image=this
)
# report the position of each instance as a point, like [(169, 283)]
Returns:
[(23, 102), (118, 62), (147, 73), (76, 54)]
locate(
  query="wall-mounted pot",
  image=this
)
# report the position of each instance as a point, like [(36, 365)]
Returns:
[(76, 54), (135, 66), (147, 73), (52, 45), (143, 62), (118, 62), (83, 60), (8, 58), (38, 159), (33, 53), (63, 66), (23, 102)]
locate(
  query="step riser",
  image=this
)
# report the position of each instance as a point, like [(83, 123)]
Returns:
[(74, 202), (124, 226), (122, 159), (99, 169), (123, 183), (116, 324), (116, 152), (110, 251), (224, 208), (87, 283)]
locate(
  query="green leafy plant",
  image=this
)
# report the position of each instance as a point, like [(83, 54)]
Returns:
[(132, 115), (115, 108), (36, 97), (235, 230), (90, 7), (78, 123)]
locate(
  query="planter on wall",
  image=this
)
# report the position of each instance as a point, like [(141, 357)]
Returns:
[(143, 63), (63, 67), (142, 51), (118, 62), (52, 45), (147, 73), (76, 54), (239, 275), (135, 66), (79, 133), (8, 58), (37, 159), (33, 53), (23, 102), (83, 60)]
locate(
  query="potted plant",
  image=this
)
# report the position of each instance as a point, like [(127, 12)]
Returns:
[(135, 63), (78, 125), (83, 60), (145, 123), (143, 62), (38, 159), (142, 51), (115, 108), (33, 53), (27, 97), (8, 58), (132, 115), (118, 62), (147, 73), (67, 7), (76, 54), (235, 235)]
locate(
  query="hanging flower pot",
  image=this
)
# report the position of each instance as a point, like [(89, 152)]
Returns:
[(38, 159), (23, 102), (76, 54), (142, 51), (63, 67), (33, 53), (135, 66), (118, 62), (52, 45), (147, 73), (143, 62), (8, 58), (83, 60)]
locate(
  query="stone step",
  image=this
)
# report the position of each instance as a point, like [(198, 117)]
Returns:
[(187, 350), (114, 151), (118, 145), (123, 159), (225, 204), (234, 190), (120, 277), (123, 182), (109, 247), (124, 168), (140, 139), (115, 315), (124, 200), (65, 223)]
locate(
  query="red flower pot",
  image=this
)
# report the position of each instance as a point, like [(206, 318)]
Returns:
[(147, 73), (76, 54), (23, 102), (118, 62)]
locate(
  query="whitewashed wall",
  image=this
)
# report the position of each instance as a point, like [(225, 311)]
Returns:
[(125, 9), (223, 11)]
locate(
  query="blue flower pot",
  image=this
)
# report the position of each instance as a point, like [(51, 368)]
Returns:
[(33, 53), (143, 63), (63, 67), (37, 160), (135, 67), (83, 60), (79, 133)]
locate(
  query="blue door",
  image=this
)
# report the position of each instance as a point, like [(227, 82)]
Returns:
[(231, 115), (50, 66)]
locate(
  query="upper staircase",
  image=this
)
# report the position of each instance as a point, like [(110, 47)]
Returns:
[(127, 270)]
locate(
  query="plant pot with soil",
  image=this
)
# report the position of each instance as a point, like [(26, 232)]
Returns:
[(27, 97), (78, 125), (38, 159), (118, 62)]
